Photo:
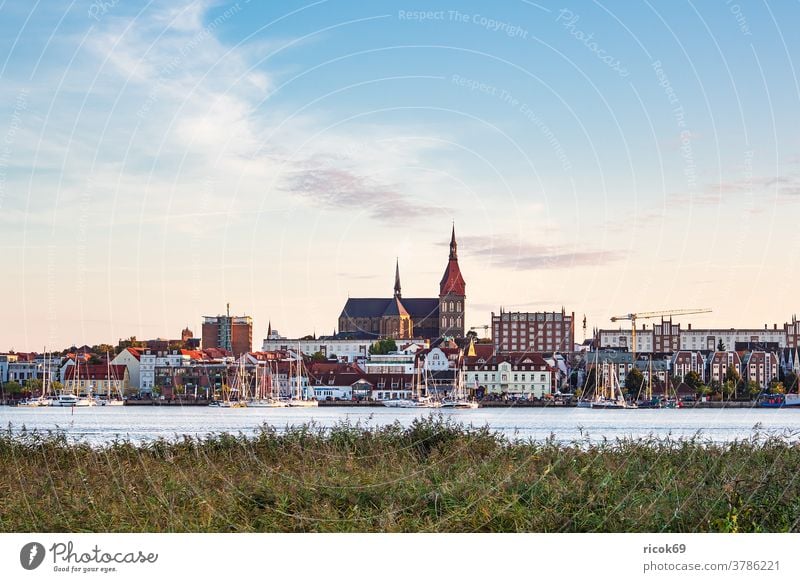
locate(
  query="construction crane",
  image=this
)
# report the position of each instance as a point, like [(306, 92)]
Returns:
[(485, 329), (649, 315)]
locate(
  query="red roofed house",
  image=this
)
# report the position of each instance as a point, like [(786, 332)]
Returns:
[(85, 379)]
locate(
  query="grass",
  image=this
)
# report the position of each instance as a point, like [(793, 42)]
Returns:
[(434, 476)]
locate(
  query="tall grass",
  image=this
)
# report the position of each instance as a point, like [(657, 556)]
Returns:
[(433, 476)]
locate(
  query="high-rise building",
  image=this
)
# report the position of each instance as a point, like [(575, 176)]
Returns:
[(227, 332)]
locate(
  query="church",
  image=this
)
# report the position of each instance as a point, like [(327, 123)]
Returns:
[(401, 317)]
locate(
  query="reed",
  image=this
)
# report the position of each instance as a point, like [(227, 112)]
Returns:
[(433, 476)]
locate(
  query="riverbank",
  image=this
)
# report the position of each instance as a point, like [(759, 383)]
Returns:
[(433, 475)]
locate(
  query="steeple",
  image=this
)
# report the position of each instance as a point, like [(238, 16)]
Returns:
[(453, 245), (269, 328), (452, 281), (397, 280)]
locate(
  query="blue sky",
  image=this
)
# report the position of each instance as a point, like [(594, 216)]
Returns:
[(158, 160)]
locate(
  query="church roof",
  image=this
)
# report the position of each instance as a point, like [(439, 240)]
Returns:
[(452, 280), (377, 307), (395, 308)]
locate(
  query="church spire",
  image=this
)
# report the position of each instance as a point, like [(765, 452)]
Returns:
[(397, 279), (453, 245)]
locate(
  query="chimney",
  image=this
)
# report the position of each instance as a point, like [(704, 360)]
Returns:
[(690, 327)]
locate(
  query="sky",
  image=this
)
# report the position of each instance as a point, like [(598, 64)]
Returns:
[(161, 159)]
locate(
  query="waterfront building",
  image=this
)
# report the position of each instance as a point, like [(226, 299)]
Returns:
[(540, 332), (227, 332), (131, 359), (760, 367), (96, 379), (667, 337), (400, 317), (718, 363), (514, 375), (685, 361), (343, 349)]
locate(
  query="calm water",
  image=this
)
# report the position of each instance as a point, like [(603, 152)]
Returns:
[(103, 424)]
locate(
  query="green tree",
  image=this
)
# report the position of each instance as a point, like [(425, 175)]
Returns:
[(307, 338), (384, 346), (728, 389), (472, 335), (318, 357), (720, 346), (776, 387), (56, 386), (634, 382), (692, 380), (33, 385), (12, 388), (753, 388), (94, 360)]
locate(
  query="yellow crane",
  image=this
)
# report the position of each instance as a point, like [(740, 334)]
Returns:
[(649, 315)]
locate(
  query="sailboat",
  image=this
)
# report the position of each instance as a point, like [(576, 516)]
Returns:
[(43, 399), (265, 393), (234, 396), (73, 396), (417, 400), (609, 393), (459, 397), (117, 399), (299, 395)]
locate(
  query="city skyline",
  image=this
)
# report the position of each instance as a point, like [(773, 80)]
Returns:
[(157, 163)]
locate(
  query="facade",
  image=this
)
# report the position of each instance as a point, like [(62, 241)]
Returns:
[(718, 363), (667, 337), (685, 361), (520, 375), (760, 367), (131, 359), (534, 332), (227, 332), (87, 379), (404, 318)]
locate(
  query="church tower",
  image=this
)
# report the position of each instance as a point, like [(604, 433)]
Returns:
[(452, 295)]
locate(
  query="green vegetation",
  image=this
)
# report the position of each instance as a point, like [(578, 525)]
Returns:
[(432, 476), (384, 346)]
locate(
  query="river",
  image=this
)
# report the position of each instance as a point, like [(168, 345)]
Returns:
[(99, 425)]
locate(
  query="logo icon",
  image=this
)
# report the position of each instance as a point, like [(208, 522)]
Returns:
[(31, 555)]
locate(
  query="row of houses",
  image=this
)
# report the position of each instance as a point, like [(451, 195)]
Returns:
[(758, 366)]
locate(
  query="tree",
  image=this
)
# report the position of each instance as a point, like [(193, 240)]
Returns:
[(776, 387), (728, 389), (33, 385), (307, 338), (720, 346), (56, 386), (634, 382), (790, 382), (318, 357), (384, 346), (753, 388), (104, 349), (732, 375), (472, 335), (12, 388), (692, 380), (94, 360)]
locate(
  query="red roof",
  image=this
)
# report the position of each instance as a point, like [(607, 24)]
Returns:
[(95, 372), (452, 280)]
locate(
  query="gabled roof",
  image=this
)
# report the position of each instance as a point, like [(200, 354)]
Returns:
[(394, 308)]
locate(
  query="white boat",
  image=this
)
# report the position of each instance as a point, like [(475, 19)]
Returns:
[(64, 400), (300, 397)]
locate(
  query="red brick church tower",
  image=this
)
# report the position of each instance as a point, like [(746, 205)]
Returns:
[(452, 295)]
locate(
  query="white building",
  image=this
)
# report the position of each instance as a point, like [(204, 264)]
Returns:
[(130, 358)]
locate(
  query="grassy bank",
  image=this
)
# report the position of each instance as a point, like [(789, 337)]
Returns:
[(432, 476)]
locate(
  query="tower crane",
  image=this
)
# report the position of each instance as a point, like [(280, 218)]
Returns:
[(485, 329), (649, 315)]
